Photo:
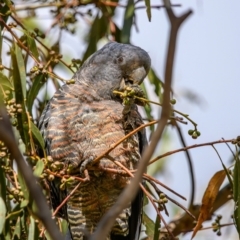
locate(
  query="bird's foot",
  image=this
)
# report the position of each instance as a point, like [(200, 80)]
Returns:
[(84, 165), (87, 178)]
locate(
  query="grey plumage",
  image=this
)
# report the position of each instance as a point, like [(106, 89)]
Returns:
[(81, 122)]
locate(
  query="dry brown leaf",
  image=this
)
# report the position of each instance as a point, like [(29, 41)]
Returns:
[(209, 199)]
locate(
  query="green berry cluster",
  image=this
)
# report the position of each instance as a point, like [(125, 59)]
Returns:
[(38, 33), (216, 225), (194, 133), (236, 141), (162, 201), (76, 63)]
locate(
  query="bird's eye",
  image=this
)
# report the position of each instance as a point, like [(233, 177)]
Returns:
[(120, 59)]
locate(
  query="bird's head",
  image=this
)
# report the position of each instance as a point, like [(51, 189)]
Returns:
[(113, 67)]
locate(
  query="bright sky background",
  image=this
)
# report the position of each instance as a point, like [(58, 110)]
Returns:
[(207, 63)]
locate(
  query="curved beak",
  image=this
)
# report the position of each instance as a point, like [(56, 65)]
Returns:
[(137, 76)]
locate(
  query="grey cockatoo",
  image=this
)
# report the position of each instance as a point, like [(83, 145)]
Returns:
[(81, 122)]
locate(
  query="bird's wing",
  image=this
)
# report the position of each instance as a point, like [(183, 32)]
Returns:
[(77, 127)]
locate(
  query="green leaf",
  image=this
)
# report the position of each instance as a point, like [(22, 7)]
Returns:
[(37, 135), (147, 107), (47, 236), (236, 193), (34, 208), (2, 183), (64, 226), (21, 69), (118, 33), (24, 189), (3, 211), (20, 90), (98, 30), (149, 224), (7, 232), (227, 173), (14, 214), (31, 42), (148, 10), (128, 22), (17, 229), (156, 228), (155, 80), (31, 231), (39, 168), (1, 41), (145, 201), (24, 222), (5, 84), (34, 90)]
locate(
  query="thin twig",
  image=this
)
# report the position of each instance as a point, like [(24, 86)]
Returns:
[(160, 104), (66, 199), (150, 178), (157, 6), (15, 18), (65, 176), (123, 139), (172, 200), (187, 148), (190, 165)]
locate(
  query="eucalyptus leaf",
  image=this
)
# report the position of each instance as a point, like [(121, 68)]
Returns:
[(236, 193), (98, 30), (5, 84), (149, 224), (25, 191), (32, 46), (156, 81), (20, 93), (128, 22), (3, 211), (147, 107), (148, 9), (31, 230), (34, 90), (39, 168), (21, 69), (17, 229), (2, 184), (37, 135)]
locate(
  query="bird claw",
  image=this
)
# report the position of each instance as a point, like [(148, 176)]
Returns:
[(83, 167), (87, 178)]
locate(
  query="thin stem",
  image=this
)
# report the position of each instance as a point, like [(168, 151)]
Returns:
[(186, 148), (159, 104)]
